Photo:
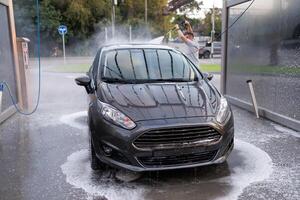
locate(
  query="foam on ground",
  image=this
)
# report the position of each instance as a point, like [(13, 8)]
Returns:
[(257, 167), (80, 175)]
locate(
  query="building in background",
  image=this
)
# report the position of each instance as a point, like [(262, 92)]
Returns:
[(263, 46)]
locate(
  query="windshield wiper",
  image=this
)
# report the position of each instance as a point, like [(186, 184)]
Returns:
[(171, 80), (117, 80), (116, 73), (137, 81)]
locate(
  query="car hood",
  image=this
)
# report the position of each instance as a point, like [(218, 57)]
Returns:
[(161, 100)]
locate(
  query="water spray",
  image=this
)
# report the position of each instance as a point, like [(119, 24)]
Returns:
[(130, 33), (166, 36)]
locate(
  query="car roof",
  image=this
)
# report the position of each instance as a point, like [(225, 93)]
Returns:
[(134, 46)]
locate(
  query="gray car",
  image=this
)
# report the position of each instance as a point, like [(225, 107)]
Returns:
[(152, 109), (205, 51)]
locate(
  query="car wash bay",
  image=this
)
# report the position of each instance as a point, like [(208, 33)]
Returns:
[(45, 156)]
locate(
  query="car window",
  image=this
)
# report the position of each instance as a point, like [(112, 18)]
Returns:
[(165, 62), (180, 66), (151, 57), (147, 65), (94, 67), (139, 64), (113, 69)]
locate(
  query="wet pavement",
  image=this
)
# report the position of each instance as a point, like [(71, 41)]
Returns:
[(45, 156)]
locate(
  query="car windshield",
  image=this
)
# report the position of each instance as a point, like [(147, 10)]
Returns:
[(146, 65)]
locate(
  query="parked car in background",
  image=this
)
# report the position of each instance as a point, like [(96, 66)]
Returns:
[(205, 50), (152, 109)]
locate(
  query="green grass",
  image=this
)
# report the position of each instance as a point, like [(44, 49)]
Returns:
[(266, 70), (71, 68), (210, 68)]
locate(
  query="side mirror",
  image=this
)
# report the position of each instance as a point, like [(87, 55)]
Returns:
[(208, 76), (86, 82)]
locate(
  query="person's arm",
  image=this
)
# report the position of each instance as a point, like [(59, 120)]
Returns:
[(180, 34), (188, 26)]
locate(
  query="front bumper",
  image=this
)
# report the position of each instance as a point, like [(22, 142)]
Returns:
[(127, 156)]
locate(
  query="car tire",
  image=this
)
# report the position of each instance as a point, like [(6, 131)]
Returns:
[(96, 164), (206, 54)]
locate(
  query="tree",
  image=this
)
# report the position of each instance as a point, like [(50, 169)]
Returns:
[(50, 19), (179, 19), (191, 6), (81, 17), (24, 15), (84, 19), (207, 25), (183, 7), (132, 12)]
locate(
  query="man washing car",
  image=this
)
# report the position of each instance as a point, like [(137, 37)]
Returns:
[(191, 49)]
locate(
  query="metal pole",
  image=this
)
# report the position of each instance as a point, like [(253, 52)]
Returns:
[(146, 11), (224, 47), (1, 91), (105, 34), (113, 15), (253, 97), (213, 30), (64, 49), (130, 33)]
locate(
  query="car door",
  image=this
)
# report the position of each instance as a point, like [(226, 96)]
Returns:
[(217, 48)]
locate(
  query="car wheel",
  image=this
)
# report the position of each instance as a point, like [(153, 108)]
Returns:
[(96, 164), (206, 54), (200, 56)]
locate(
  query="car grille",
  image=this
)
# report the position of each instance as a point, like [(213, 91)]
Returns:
[(176, 136), (177, 160)]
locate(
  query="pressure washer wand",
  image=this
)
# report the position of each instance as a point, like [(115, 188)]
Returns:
[(183, 24), (166, 40)]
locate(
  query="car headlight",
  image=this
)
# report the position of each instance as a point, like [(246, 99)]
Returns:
[(223, 112), (112, 114)]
